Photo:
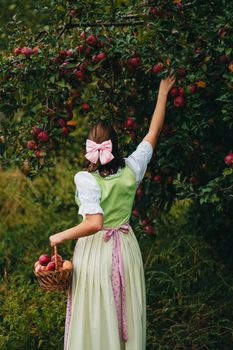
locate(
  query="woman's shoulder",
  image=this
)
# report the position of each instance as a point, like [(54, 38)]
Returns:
[(84, 177)]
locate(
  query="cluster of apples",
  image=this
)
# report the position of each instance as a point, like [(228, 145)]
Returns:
[(45, 263)]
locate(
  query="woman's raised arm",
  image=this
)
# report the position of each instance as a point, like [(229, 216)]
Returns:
[(159, 112)]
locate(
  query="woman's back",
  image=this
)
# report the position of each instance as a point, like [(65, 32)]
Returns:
[(113, 195)]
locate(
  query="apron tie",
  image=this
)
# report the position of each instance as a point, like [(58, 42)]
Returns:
[(118, 278)]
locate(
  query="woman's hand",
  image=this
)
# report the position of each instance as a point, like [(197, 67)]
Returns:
[(167, 83), (55, 239)]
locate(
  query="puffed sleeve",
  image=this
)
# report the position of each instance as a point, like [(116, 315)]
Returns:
[(87, 194), (139, 159)]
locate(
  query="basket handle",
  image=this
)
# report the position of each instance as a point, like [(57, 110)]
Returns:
[(54, 252)]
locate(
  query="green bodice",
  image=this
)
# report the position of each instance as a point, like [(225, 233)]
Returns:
[(117, 196)]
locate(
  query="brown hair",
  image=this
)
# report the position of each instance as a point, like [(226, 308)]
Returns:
[(101, 131)]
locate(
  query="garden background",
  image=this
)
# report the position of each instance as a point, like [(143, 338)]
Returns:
[(64, 64)]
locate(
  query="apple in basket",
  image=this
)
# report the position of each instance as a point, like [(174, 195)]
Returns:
[(50, 266), (42, 268), (44, 259), (59, 258), (67, 265)]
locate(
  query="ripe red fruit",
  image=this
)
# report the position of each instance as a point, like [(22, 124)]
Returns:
[(64, 130), (17, 51), (35, 50), (51, 266), (82, 35), (224, 58), (101, 56), (79, 74), (31, 144), (85, 106), (94, 59), (59, 257), (83, 65), (170, 180), (193, 180), (154, 11), (44, 259), (35, 130), (79, 48), (43, 136), (130, 123), (181, 91), (178, 101), (91, 40), (145, 221), (135, 212), (139, 192), (149, 229), (156, 68), (229, 159), (157, 179), (38, 153), (134, 62), (27, 51), (192, 88), (61, 122), (63, 53), (174, 91)]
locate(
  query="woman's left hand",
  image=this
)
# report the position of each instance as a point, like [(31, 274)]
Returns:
[(55, 239)]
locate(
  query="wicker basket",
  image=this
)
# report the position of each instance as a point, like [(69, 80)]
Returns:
[(54, 280)]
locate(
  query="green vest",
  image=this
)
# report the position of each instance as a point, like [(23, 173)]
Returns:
[(117, 196)]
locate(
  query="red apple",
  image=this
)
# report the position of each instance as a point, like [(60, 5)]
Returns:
[(91, 40), (170, 180), (38, 268), (35, 50), (35, 130), (31, 144), (135, 212), (61, 122), (59, 257), (50, 266), (64, 130), (139, 192), (134, 62), (17, 51), (129, 123), (174, 91), (145, 221), (178, 101), (229, 159), (27, 51), (79, 74), (101, 56), (42, 268), (79, 48), (43, 136), (44, 259), (192, 88), (156, 68), (193, 180), (149, 229), (157, 179), (85, 106), (181, 91)]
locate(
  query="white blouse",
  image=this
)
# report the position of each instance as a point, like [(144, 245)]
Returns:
[(88, 189)]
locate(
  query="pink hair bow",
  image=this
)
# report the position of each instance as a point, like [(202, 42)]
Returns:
[(99, 150)]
